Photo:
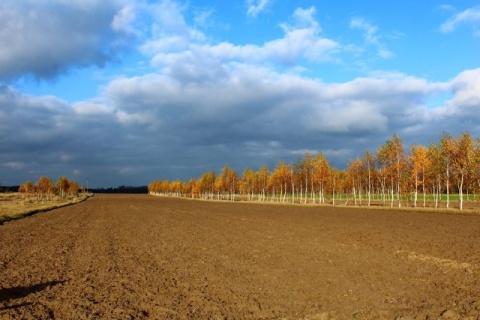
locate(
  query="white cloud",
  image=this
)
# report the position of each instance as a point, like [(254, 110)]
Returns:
[(187, 53), (123, 20), (169, 30), (14, 165), (281, 103), (466, 89), (45, 38), (92, 108), (202, 18), (468, 16), (371, 36), (169, 14), (304, 19), (369, 29), (446, 7), (251, 116), (254, 7)]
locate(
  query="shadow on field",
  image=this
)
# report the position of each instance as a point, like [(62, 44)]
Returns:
[(7, 294)]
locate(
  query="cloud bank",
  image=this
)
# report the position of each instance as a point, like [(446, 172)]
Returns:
[(251, 116)]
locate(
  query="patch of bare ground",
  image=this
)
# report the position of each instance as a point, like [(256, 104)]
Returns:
[(144, 257)]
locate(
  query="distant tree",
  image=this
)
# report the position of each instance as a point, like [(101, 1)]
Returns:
[(185, 188), (333, 183), (152, 187), (398, 156), (73, 188), (248, 183), (44, 187), (229, 182), (295, 179), (262, 179), (355, 173), (435, 172), (320, 175), (463, 151), (393, 160), (175, 187), (26, 188), (62, 186), (383, 164), (233, 183), (307, 166), (192, 187), (369, 168), (196, 189), (420, 162), (475, 176), (280, 179), (207, 184), (447, 152), (219, 187)]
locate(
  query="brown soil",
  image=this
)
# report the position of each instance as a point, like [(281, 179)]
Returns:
[(136, 257)]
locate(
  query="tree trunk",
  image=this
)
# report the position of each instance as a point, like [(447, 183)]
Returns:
[(354, 197), (391, 192), (416, 191), (460, 191), (423, 187), (293, 191), (448, 185)]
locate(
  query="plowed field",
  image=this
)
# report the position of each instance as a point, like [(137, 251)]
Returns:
[(145, 257)]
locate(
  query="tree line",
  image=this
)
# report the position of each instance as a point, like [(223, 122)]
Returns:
[(44, 189), (121, 190), (422, 176)]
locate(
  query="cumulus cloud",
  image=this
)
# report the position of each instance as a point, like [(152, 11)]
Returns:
[(461, 110), (466, 88), (160, 126), (253, 106), (183, 51), (468, 16), (45, 38), (170, 32)]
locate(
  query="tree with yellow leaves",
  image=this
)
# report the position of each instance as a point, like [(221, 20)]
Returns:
[(44, 188), (27, 188), (463, 150), (262, 179), (280, 179), (62, 186), (419, 163)]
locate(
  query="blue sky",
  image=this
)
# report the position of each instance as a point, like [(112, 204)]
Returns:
[(123, 92)]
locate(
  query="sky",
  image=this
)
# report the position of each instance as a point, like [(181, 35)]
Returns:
[(122, 92)]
